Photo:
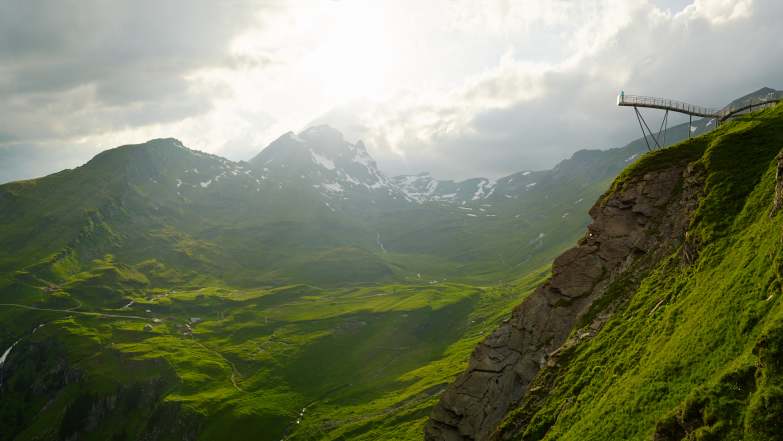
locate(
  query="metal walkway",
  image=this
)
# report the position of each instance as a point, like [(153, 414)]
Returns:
[(665, 104), (659, 139), (753, 105)]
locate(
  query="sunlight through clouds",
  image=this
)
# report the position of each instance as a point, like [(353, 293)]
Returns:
[(425, 84)]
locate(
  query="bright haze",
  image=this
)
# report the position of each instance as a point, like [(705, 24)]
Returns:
[(459, 88)]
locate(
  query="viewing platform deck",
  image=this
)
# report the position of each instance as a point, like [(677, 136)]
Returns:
[(721, 115)]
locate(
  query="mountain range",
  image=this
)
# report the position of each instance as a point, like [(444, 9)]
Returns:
[(307, 198)]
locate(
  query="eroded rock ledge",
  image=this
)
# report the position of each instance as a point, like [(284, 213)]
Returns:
[(634, 225)]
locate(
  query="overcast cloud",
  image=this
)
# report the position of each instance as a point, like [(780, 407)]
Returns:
[(457, 87)]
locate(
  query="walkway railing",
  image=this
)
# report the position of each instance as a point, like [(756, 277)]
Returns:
[(666, 104), (659, 139), (693, 110), (754, 104)]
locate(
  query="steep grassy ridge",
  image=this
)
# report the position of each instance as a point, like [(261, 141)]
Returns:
[(695, 351)]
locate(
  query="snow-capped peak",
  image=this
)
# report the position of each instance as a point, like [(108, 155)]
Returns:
[(322, 158)]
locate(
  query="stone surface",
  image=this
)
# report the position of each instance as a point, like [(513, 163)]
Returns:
[(778, 201)]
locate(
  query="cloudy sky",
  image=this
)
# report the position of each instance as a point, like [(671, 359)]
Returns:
[(456, 87)]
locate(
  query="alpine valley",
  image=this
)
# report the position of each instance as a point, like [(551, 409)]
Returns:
[(161, 293)]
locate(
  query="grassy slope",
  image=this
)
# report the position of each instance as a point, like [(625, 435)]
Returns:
[(696, 350)]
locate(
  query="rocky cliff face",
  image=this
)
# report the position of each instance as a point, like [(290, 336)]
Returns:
[(640, 220), (777, 202)]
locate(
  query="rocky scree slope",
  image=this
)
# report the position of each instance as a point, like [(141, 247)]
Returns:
[(663, 323)]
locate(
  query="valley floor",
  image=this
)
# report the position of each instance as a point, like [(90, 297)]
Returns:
[(294, 362)]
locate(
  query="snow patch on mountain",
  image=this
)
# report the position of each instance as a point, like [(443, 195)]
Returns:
[(322, 160), (419, 188), (332, 187), (484, 189)]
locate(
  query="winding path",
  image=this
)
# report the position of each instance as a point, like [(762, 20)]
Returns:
[(71, 311), (234, 371)]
